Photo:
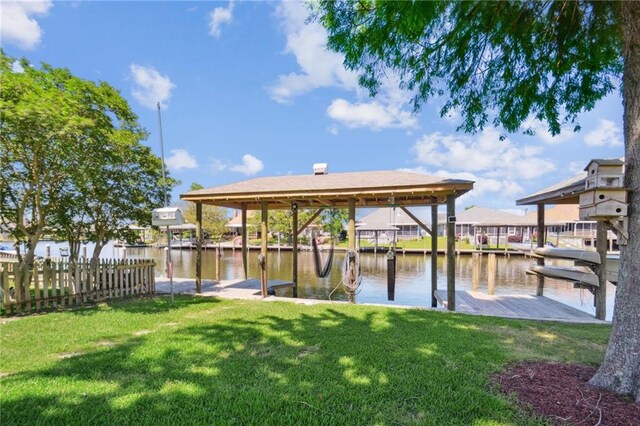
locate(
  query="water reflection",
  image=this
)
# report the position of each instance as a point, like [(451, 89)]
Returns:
[(413, 277)]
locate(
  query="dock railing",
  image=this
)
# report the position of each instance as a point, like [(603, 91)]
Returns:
[(53, 283)]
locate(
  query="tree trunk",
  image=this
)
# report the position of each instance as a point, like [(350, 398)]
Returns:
[(620, 371), (74, 245), (95, 256)]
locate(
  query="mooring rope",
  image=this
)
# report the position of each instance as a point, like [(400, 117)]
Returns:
[(351, 277)]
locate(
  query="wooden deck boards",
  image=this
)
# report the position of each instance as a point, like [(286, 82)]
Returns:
[(515, 306), (507, 306), (254, 284)]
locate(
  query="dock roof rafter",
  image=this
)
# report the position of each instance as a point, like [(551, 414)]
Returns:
[(370, 189)]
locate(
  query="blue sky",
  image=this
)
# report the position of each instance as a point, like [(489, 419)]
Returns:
[(248, 89)]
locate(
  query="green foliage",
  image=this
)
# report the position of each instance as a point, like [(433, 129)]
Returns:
[(214, 218), (280, 221), (499, 62), (334, 221), (211, 361), (72, 160)]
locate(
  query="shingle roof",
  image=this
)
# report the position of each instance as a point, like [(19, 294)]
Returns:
[(484, 215), (561, 213), (373, 188)]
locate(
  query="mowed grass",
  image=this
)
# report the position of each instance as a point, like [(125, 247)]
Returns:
[(208, 361)]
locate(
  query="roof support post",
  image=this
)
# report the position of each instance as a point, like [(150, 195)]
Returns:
[(351, 235), (263, 252), (294, 243), (451, 253), (351, 230), (434, 254), (601, 271), (540, 260), (198, 247), (244, 239)]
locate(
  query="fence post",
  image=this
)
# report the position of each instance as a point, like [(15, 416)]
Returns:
[(103, 278), (76, 277), (116, 281), (133, 274), (123, 278), (152, 276), (63, 283)]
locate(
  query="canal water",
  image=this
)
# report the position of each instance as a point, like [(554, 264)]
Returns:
[(413, 276)]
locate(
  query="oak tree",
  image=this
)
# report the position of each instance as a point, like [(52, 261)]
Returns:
[(501, 64), (72, 160)]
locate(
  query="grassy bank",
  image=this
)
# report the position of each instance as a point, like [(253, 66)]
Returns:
[(245, 362)]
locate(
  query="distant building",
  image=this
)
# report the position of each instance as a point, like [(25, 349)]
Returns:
[(482, 220), (234, 225), (388, 221), (389, 224), (564, 219)]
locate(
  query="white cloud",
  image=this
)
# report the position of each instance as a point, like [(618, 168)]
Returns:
[(370, 114), (607, 134), (542, 131), (17, 25), (483, 186), (250, 165), (181, 159), (319, 67), (484, 153), (505, 188), (150, 86), (576, 167), (218, 17)]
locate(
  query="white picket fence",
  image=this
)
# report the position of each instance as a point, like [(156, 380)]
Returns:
[(60, 283)]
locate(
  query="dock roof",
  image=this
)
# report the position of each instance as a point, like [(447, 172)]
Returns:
[(565, 192), (370, 189)]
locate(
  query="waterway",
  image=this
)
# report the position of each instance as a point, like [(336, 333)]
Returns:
[(413, 276)]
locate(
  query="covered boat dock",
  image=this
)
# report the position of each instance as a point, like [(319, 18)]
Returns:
[(334, 190)]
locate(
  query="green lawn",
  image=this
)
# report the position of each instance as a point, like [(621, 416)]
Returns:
[(208, 361), (424, 243)]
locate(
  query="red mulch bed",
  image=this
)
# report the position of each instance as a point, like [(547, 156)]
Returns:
[(561, 393)]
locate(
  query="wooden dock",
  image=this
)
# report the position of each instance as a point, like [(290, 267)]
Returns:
[(233, 289), (521, 306), (507, 306)]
